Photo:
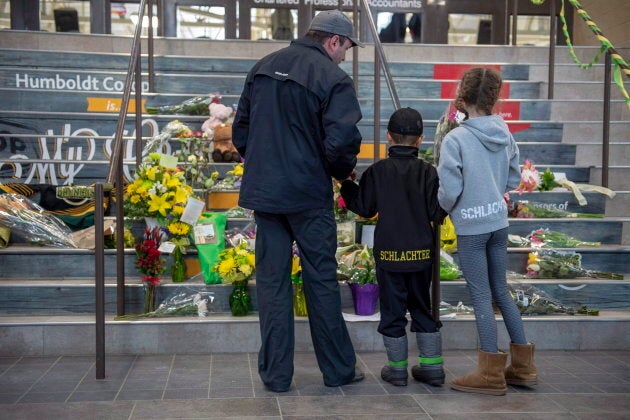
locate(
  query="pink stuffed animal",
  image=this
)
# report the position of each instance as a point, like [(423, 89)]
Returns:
[(219, 114)]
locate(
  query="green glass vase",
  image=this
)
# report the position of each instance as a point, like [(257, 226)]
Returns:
[(240, 299), (178, 269)]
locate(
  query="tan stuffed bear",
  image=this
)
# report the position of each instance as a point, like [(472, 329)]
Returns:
[(224, 150)]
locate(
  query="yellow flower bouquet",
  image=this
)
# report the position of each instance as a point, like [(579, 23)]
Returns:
[(235, 264), (158, 191)]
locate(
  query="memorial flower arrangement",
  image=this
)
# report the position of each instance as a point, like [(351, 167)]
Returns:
[(527, 209), (554, 264), (530, 178), (356, 264), (235, 264), (158, 191), (150, 263), (448, 121), (546, 238), (232, 179), (196, 155)]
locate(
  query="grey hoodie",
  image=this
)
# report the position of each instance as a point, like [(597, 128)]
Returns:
[(479, 163)]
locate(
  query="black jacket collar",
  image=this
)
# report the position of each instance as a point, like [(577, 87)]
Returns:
[(311, 43), (402, 151)]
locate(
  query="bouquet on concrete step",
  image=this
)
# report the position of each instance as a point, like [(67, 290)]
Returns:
[(36, 225), (533, 301), (554, 264), (546, 238), (525, 209), (185, 301)]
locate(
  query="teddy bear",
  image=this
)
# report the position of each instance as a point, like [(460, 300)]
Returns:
[(224, 150), (219, 128)]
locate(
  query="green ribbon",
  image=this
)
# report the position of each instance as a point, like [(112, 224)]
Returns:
[(398, 364), (621, 66), (181, 243)]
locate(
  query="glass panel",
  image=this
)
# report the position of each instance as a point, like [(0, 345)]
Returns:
[(276, 24), (201, 22), (532, 30), (5, 14), (66, 20), (125, 18), (468, 29)]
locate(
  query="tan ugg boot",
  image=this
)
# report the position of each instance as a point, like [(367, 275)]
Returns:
[(522, 370), (489, 378)]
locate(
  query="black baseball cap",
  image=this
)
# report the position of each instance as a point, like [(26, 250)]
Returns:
[(405, 121), (334, 22)]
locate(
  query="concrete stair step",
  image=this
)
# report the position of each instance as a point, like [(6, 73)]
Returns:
[(75, 335), (76, 296)]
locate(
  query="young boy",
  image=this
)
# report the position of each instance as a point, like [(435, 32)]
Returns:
[(402, 190)]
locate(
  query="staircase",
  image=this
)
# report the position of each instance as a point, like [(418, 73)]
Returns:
[(47, 295)]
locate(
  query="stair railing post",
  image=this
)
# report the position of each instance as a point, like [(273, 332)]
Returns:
[(553, 28), (377, 106), (150, 51), (355, 51), (606, 122), (435, 282), (99, 271), (514, 20)]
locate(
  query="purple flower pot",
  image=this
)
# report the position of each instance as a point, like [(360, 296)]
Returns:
[(364, 297)]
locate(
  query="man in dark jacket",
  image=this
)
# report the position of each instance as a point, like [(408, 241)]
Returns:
[(296, 126)]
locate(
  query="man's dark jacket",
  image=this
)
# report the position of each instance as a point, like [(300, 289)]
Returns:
[(296, 127), (402, 189)]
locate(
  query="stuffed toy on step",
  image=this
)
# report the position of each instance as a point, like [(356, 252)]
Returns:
[(224, 150), (219, 128)]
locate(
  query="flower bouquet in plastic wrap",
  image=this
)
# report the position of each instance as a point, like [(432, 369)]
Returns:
[(448, 269), (28, 219), (525, 209), (533, 301), (553, 264), (451, 311), (546, 238), (450, 120), (185, 301), (193, 106)]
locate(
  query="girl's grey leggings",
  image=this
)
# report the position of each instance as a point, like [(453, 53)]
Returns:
[(483, 260)]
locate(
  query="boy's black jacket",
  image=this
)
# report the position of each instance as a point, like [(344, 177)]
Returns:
[(402, 189)]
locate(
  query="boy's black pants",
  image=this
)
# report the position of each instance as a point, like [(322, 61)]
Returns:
[(402, 291)]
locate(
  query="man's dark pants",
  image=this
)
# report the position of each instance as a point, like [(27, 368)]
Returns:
[(316, 237)]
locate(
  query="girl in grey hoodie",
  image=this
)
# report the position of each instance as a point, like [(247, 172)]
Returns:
[(479, 163)]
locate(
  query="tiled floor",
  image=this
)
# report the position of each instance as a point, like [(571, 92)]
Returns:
[(572, 385)]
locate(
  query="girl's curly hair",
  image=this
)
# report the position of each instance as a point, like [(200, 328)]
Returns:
[(479, 87)]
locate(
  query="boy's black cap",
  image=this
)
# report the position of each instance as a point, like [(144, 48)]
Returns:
[(405, 121)]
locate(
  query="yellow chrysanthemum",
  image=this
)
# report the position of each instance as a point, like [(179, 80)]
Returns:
[(251, 259), (158, 204), (135, 199), (226, 267), (178, 210), (246, 269)]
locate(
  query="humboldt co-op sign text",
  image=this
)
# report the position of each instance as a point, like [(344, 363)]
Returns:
[(88, 82)]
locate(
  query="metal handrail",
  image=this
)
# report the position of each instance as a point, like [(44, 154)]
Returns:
[(115, 173)]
